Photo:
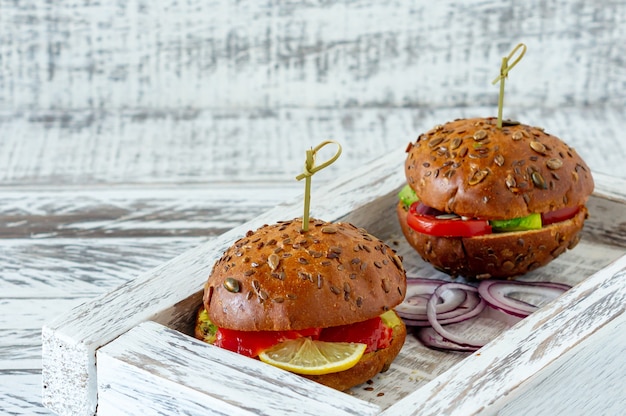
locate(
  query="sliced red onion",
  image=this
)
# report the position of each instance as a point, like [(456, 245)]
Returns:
[(471, 306), (437, 326), (419, 291), (427, 211), (430, 338), (497, 294), (431, 304)]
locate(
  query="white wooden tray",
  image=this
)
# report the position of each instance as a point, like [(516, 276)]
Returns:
[(127, 352)]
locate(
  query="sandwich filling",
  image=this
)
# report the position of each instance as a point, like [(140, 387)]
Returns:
[(428, 220), (374, 334)]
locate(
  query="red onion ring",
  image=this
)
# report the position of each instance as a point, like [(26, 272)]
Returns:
[(419, 291), (497, 294), (432, 315), (430, 338), (431, 304), (471, 306)]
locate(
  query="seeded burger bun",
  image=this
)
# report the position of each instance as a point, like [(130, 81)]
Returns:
[(281, 278), (474, 169)]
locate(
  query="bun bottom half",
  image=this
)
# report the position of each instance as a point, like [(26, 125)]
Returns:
[(370, 364), (499, 255)]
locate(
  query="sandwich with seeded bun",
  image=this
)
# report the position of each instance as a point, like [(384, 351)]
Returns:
[(485, 201), (332, 287)]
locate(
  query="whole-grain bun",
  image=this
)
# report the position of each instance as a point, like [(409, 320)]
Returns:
[(281, 278), (370, 364), (474, 169), (499, 255)]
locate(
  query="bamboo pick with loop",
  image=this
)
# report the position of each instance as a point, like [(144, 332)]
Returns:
[(309, 169), (504, 72)]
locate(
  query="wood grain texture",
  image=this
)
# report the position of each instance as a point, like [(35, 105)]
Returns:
[(244, 147), (200, 112), (85, 212), (20, 393), (572, 373), (76, 336), (149, 358), (62, 246), (69, 341), (485, 380), (198, 55)]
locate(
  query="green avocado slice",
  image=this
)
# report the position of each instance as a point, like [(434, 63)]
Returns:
[(530, 222), (407, 196)]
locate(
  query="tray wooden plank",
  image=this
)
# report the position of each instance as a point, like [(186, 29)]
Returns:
[(600, 357), (167, 293), (485, 380), (142, 374), (70, 341)]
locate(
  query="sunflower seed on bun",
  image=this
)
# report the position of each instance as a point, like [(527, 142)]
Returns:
[(281, 278)]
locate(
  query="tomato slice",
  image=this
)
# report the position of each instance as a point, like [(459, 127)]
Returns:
[(421, 221), (373, 332), (251, 343), (559, 215)]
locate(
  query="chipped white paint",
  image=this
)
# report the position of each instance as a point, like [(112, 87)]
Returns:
[(267, 55), (212, 381), (77, 335), (487, 380), (198, 113), (266, 147)]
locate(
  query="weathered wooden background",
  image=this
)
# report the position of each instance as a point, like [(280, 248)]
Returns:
[(171, 91), (131, 131)]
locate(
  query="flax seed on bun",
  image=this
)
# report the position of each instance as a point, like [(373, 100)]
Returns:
[(333, 274), (474, 169)]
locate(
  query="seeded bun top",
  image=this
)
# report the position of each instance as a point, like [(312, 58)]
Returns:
[(474, 169), (281, 278)]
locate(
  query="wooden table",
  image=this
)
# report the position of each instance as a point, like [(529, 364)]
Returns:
[(106, 173), (62, 244)]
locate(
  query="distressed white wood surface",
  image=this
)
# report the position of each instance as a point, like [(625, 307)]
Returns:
[(485, 381), (192, 55), (245, 147), (174, 103), (204, 380), (62, 246), (202, 91), (567, 378), (70, 342)]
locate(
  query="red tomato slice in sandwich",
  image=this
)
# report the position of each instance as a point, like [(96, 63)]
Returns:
[(422, 221), (373, 333), (251, 343)]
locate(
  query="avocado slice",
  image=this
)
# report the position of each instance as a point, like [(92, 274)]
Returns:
[(530, 222), (407, 196)]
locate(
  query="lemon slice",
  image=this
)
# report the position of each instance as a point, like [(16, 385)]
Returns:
[(305, 356)]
